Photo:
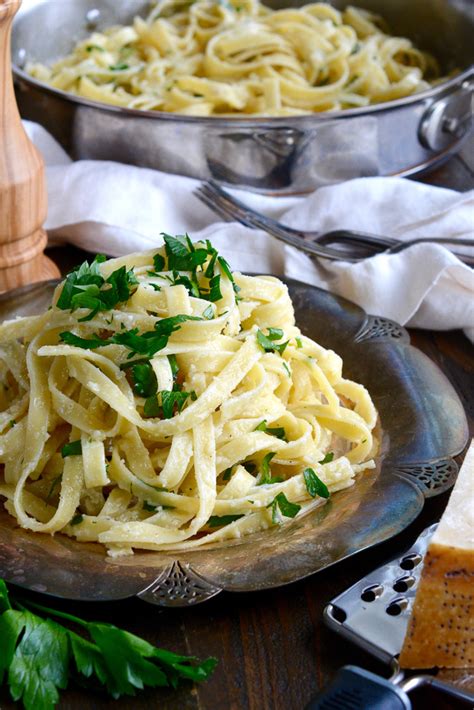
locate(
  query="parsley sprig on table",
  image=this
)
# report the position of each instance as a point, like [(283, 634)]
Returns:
[(39, 655)]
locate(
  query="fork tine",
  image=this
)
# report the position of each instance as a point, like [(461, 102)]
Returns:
[(216, 208), (220, 207), (222, 203), (242, 212)]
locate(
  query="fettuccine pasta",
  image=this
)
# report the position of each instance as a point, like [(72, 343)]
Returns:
[(163, 402), (238, 57)]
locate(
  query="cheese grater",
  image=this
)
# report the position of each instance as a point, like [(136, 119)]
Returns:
[(374, 614)]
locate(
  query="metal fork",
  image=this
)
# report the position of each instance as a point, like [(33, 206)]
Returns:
[(355, 245)]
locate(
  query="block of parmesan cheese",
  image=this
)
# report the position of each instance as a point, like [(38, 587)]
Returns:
[(441, 628)]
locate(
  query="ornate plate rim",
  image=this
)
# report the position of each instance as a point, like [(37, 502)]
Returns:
[(424, 467)]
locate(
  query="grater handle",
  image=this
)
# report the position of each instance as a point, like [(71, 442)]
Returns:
[(354, 688)]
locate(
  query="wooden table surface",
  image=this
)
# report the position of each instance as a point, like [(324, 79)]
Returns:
[(274, 651)]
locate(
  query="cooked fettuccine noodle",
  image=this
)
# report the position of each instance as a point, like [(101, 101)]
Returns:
[(208, 57), (153, 407)]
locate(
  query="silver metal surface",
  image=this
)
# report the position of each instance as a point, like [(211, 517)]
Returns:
[(269, 155), (356, 246), (422, 422), (378, 607)]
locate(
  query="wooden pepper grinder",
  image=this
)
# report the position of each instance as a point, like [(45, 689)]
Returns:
[(23, 201)]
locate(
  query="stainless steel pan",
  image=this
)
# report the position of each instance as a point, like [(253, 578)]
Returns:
[(273, 155)]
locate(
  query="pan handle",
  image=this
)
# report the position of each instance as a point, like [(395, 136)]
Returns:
[(448, 119)]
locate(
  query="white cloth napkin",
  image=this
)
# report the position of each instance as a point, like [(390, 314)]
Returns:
[(116, 209)]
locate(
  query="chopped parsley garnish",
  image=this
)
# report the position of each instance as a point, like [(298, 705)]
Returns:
[(286, 508), (119, 67), (159, 262), (226, 269), (77, 519), (149, 507), (226, 476), (265, 473), (86, 288), (145, 383), (216, 521), (12, 423), (288, 371), (267, 342), (166, 402), (314, 485), (174, 365), (214, 293), (299, 342), (277, 431), (328, 458), (74, 448), (38, 656), (147, 343), (182, 254)]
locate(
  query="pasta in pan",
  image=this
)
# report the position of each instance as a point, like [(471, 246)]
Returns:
[(238, 57), (164, 402)]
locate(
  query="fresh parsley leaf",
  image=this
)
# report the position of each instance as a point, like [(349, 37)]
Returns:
[(118, 67), (226, 476), (189, 282), (227, 271), (174, 365), (152, 407), (147, 343), (299, 342), (268, 344), (314, 485), (286, 508), (275, 333), (37, 656), (328, 458), (265, 473), (94, 47), (12, 423), (181, 253), (288, 371), (86, 288), (77, 519), (215, 521), (165, 402), (145, 383), (171, 399), (209, 273), (159, 262), (278, 431), (149, 507), (74, 448), (214, 293)]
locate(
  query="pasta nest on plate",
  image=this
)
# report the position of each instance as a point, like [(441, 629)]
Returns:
[(164, 402)]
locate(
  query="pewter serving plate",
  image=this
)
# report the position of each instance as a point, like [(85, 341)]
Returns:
[(423, 427)]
